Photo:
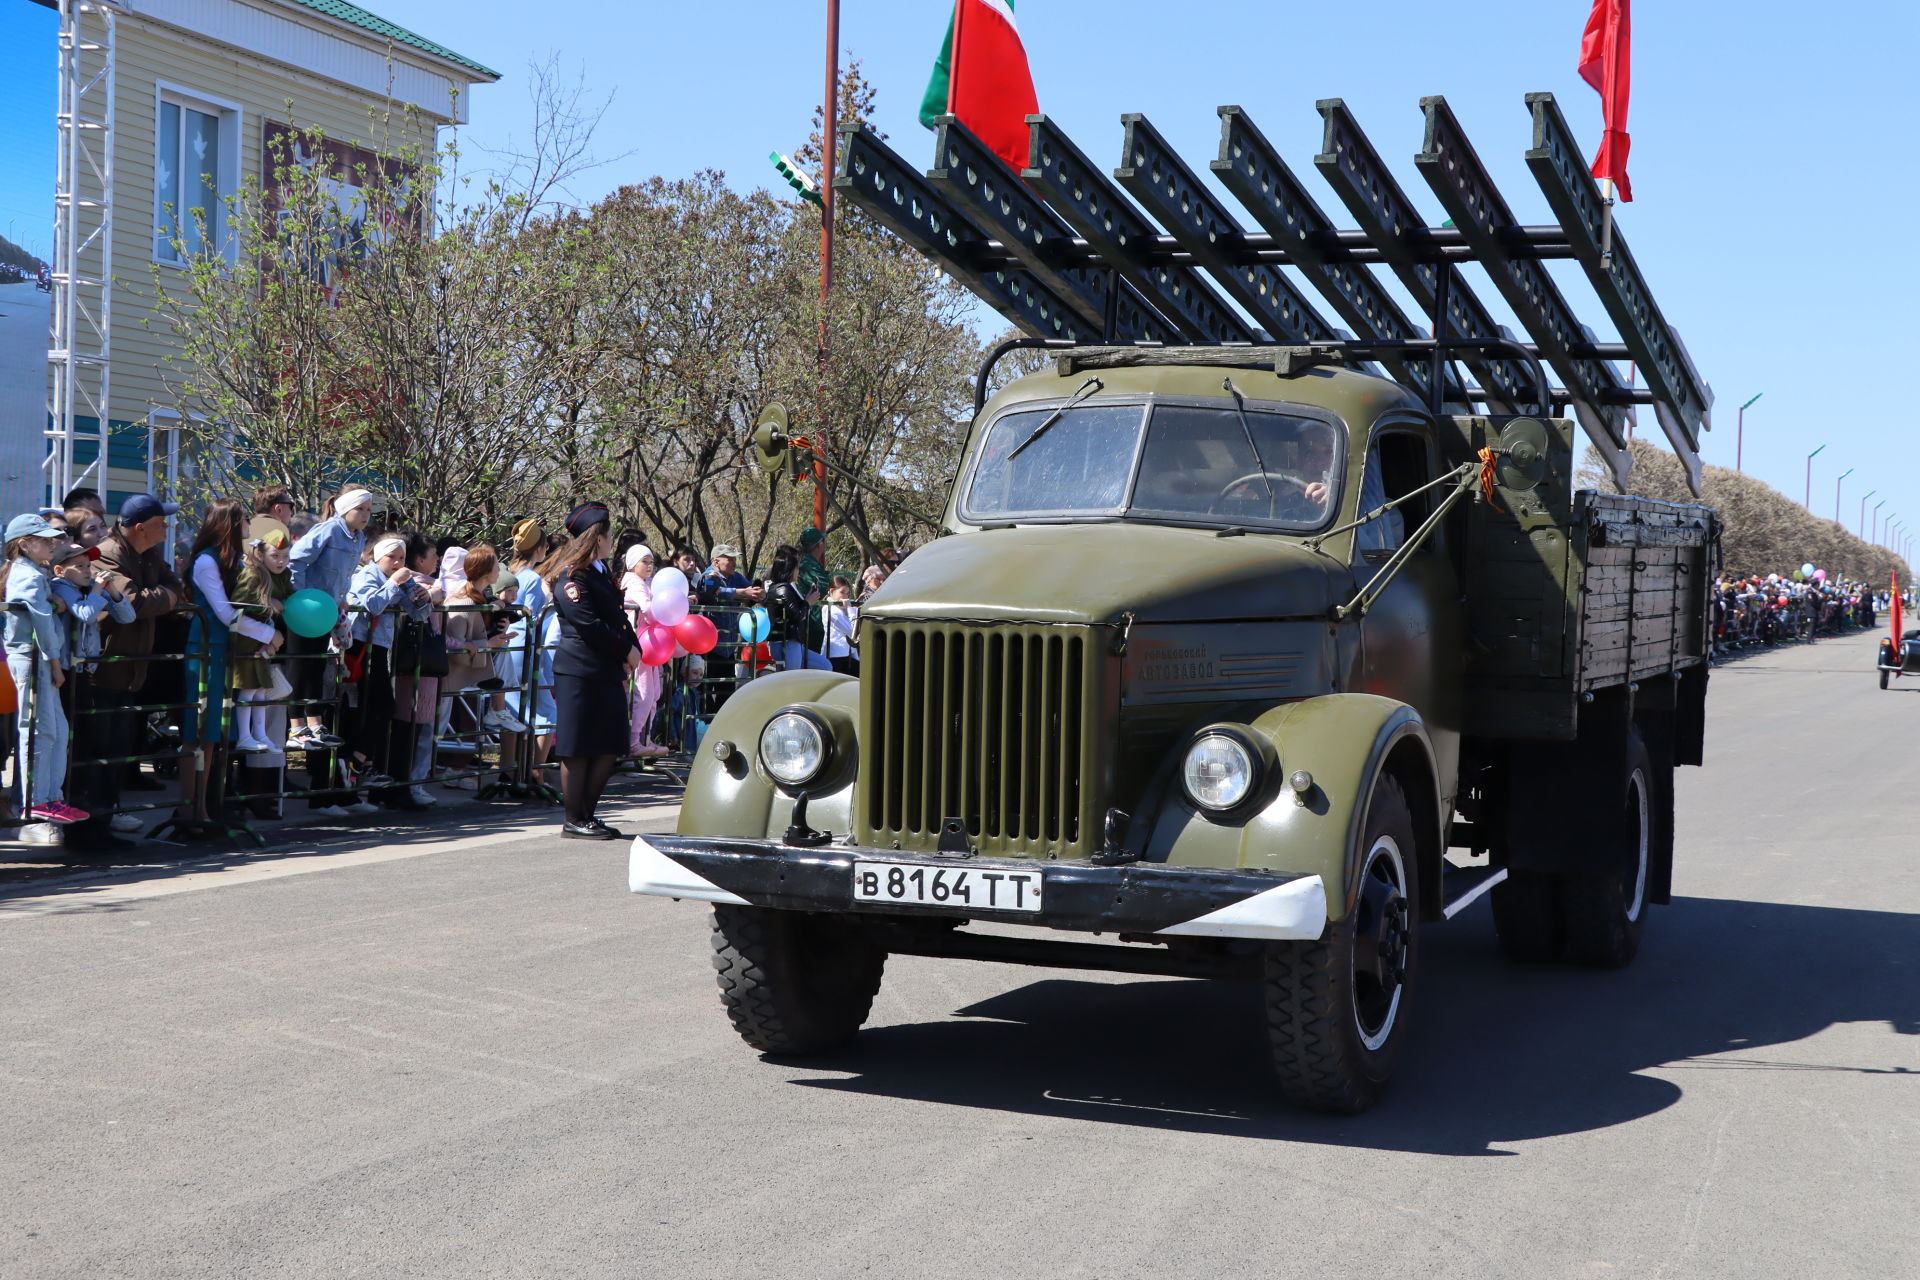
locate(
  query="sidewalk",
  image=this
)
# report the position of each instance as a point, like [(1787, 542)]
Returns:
[(34, 868)]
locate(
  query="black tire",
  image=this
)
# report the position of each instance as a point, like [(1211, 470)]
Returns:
[(1337, 1008), (1606, 913), (794, 982), (1527, 917), (1883, 678)]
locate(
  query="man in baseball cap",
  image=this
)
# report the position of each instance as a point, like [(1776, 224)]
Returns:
[(142, 507)]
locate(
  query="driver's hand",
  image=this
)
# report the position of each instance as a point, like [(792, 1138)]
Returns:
[(1317, 492)]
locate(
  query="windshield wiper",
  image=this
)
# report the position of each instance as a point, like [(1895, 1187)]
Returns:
[(1240, 408), (1087, 388)]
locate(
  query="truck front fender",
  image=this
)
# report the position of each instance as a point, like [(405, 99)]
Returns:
[(735, 797), (1345, 741)]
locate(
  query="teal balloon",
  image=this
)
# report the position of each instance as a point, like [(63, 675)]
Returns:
[(755, 626), (311, 613)]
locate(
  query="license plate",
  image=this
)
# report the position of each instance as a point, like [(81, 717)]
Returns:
[(965, 888)]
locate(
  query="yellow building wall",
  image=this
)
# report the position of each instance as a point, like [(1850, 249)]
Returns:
[(148, 56)]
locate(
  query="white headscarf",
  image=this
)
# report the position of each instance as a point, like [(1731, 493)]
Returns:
[(453, 568), (637, 591), (350, 499)]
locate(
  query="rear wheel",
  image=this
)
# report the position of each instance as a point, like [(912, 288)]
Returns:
[(1527, 917), (794, 982), (1337, 1008), (1606, 912)]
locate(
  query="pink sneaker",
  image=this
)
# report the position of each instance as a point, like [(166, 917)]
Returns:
[(55, 811)]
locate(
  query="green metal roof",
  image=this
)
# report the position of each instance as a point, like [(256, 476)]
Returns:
[(399, 35)]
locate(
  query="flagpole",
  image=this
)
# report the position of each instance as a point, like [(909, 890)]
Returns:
[(1606, 225), (830, 120)]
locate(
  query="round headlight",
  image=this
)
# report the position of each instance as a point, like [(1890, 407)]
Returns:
[(793, 747), (1219, 771)]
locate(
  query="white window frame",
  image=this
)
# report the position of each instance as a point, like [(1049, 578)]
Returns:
[(231, 118)]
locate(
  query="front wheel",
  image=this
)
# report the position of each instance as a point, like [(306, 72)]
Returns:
[(1337, 1008), (794, 982)]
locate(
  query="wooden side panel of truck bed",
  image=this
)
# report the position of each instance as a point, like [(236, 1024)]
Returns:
[(1568, 594)]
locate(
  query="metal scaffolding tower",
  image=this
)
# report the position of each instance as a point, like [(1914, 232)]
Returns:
[(82, 273)]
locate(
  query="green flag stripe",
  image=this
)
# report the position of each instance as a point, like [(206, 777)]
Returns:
[(934, 103)]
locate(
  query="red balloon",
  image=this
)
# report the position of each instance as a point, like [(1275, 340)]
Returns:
[(696, 633), (656, 646)]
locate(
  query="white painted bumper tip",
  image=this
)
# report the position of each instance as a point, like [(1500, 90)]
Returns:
[(1293, 912), (652, 872)]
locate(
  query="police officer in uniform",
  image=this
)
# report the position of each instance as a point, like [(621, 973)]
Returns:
[(596, 653)]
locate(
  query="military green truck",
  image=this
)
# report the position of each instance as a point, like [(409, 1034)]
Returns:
[(1252, 648)]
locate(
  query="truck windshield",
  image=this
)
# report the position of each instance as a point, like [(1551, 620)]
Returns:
[(1180, 462)]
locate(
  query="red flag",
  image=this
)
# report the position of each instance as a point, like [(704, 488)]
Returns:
[(1896, 618), (991, 90), (1606, 63)]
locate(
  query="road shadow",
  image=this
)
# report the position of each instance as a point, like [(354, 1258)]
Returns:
[(1500, 1053)]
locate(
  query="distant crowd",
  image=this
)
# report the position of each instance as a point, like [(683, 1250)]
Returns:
[(1779, 608)]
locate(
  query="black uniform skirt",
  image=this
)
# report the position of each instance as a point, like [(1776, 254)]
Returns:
[(590, 714)]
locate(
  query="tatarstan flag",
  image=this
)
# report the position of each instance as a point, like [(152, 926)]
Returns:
[(981, 78)]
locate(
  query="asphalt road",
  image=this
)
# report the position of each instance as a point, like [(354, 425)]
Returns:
[(490, 1060)]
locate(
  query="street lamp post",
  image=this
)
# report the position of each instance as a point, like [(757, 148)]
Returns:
[(1862, 530), (1807, 501), (1875, 535), (1836, 493), (1740, 431)]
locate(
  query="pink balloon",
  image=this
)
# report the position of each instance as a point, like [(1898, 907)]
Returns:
[(697, 633), (656, 646)]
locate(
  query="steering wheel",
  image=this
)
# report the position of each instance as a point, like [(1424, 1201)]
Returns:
[(1291, 505)]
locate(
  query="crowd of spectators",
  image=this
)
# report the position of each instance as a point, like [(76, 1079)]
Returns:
[(140, 670), (1780, 608)]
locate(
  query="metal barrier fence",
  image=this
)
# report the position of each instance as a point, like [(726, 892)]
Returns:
[(187, 711)]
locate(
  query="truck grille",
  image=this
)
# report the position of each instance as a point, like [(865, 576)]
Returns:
[(983, 724)]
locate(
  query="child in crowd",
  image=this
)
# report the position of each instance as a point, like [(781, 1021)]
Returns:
[(36, 644), (475, 632), (86, 603), (843, 615), (261, 591), (637, 589)]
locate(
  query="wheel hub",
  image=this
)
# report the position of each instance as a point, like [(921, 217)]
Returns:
[(1385, 930)]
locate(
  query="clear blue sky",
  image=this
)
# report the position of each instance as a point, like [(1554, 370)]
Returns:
[(1771, 143)]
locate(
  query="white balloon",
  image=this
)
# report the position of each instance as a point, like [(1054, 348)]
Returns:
[(668, 610), (671, 581)]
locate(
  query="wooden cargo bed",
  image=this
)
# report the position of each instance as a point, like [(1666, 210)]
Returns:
[(1570, 594)]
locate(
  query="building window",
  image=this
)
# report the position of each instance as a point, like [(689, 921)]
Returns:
[(195, 170)]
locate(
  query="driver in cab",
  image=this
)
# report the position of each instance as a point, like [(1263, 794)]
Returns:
[(1313, 462)]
